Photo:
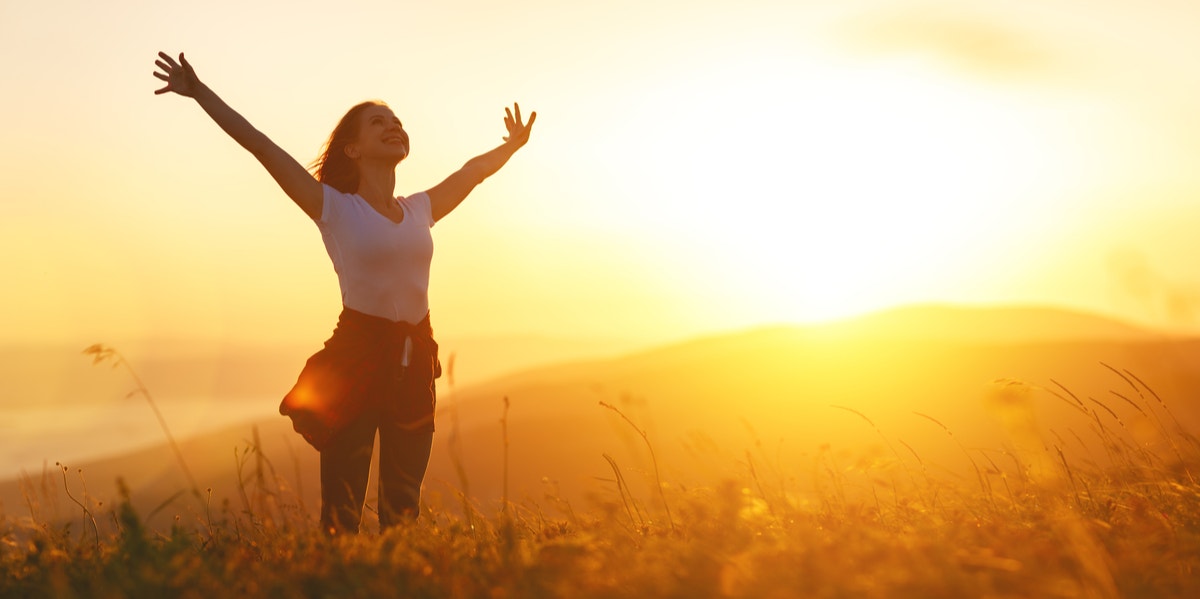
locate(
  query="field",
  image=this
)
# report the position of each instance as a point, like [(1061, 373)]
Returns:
[(908, 482), (1027, 523)]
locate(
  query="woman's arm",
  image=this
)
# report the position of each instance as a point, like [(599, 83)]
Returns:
[(296, 182), (448, 194)]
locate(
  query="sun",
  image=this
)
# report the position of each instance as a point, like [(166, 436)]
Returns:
[(818, 191)]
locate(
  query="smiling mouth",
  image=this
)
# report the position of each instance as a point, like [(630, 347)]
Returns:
[(398, 141)]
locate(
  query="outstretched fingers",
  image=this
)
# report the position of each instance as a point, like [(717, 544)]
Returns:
[(165, 76), (164, 67), (166, 88), (165, 64), (518, 131), (167, 58), (514, 115), (179, 76)]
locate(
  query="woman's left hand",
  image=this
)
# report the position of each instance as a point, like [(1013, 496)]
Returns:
[(518, 132)]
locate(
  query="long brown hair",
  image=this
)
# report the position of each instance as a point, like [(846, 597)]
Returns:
[(334, 168)]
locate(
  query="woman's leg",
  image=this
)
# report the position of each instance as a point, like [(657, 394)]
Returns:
[(405, 439), (403, 458), (345, 465)]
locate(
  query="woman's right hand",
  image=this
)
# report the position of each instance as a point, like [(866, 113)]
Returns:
[(293, 178), (180, 76)]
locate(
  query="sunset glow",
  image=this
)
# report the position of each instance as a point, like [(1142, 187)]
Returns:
[(718, 167), (778, 298)]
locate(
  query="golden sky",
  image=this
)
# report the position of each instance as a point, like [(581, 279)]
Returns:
[(697, 165)]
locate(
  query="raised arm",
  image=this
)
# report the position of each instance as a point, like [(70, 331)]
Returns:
[(296, 182), (448, 194)]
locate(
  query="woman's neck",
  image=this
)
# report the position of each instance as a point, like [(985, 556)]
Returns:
[(377, 183)]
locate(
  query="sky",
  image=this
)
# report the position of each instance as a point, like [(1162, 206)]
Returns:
[(696, 166)]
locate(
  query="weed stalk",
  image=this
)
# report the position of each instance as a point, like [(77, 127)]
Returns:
[(658, 484)]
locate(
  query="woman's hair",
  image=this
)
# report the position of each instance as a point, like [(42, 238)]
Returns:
[(334, 168)]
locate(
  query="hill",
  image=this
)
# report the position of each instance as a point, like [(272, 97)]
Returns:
[(788, 400), (58, 375), (786, 392), (1014, 324)]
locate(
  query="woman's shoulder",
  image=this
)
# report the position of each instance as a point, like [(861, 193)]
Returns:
[(331, 191), (420, 197), (334, 203), (418, 203)]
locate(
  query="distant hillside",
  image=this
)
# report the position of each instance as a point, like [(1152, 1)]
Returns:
[(780, 396), (62, 375), (922, 324), (709, 400), (1007, 324)]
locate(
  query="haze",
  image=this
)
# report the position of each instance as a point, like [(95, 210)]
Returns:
[(697, 166)]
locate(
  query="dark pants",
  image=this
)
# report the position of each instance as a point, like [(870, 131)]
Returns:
[(373, 375), (346, 462)]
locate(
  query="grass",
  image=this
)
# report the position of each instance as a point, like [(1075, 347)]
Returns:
[(1029, 522)]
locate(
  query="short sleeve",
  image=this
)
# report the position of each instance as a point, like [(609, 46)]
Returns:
[(330, 206), (419, 205)]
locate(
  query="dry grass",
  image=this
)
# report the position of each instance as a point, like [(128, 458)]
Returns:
[(1029, 521)]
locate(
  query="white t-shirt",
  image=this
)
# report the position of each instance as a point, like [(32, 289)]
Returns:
[(382, 266)]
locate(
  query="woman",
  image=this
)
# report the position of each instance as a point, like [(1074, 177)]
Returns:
[(377, 371)]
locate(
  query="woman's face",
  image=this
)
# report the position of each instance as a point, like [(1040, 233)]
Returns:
[(381, 135)]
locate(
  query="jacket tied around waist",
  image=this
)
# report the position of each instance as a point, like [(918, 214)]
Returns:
[(369, 363)]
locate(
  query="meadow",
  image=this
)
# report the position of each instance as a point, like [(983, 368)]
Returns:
[(877, 469), (1027, 522)]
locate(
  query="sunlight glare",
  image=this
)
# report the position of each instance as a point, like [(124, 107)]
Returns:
[(842, 190)]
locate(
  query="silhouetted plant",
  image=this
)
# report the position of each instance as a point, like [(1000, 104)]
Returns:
[(102, 353)]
